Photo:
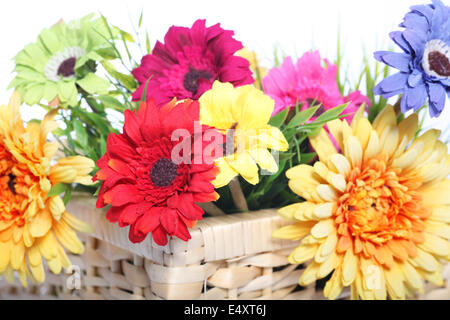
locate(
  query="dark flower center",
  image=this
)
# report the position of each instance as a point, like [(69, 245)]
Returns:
[(190, 81), (12, 183), (163, 173), (67, 67), (439, 63)]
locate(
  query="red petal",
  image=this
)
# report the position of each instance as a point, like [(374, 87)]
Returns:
[(135, 236), (160, 236), (169, 220), (201, 197), (120, 167), (131, 127), (123, 194), (199, 184), (188, 208), (128, 215), (113, 214), (149, 220), (151, 128), (182, 231)]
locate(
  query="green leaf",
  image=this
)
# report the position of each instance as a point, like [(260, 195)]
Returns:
[(126, 36), (302, 117), (93, 84), (111, 103), (67, 195), (278, 119), (82, 137), (127, 80), (331, 114), (102, 146), (140, 18), (57, 189), (147, 43)]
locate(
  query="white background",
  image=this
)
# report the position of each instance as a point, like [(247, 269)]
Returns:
[(294, 26)]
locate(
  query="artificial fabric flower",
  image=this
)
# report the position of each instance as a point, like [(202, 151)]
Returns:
[(306, 82), (255, 66), (34, 225), (188, 63), (150, 190), (242, 114), (62, 60), (424, 64), (377, 215)]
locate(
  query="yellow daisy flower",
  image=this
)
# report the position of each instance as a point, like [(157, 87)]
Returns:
[(377, 215), (242, 114), (32, 225)]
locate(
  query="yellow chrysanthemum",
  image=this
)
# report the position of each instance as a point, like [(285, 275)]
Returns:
[(242, 114), (376, 215), (32, 225)]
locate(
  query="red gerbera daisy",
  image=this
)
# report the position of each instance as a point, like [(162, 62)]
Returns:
[(188, 63), (148, 188)]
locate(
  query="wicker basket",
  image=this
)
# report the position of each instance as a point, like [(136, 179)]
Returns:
[(228, 257)]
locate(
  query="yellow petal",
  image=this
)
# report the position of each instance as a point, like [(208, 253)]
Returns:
[(82, 165), (394, 282), (5, 254), (216, 106), (386, 118), (272, 138), (373, 146), (333, 287), (322, 228), (353, 151), (294, 231), (17, 255), (68, 238), (264, 159), (225, 175), (327, 192), (41, 223), (412, 277), (57, 207), (425, 261), (251, 107), (435, 244), (309, 275), (62, 174), (243, 163), (303, 253), (341, 164), (328, 265), (349, 268), (76, 224), (323, 146)]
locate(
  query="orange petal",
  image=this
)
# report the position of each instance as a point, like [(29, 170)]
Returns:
[(344, 244), (398, 250)]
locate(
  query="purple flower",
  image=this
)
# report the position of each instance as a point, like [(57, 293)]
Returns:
[(425, 62)]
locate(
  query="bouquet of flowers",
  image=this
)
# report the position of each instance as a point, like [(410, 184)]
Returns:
[(197, 127)]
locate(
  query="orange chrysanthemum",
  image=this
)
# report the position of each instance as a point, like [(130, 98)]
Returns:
[(377, 215), (32, 225)]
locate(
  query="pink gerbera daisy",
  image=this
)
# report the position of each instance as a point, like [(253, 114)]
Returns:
[(188, 63), (306, 82)]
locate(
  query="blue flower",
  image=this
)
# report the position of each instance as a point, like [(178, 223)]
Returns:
[(425, 62)]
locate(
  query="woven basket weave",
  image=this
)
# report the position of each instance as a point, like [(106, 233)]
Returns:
[(228, 257)]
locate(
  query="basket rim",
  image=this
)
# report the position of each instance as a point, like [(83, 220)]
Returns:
[(221, 237)]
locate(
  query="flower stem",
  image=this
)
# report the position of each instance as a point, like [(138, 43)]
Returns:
[(238, 195), (211, 209)]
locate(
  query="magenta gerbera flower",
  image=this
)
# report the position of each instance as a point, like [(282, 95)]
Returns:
[(308, 81), (189, 61)]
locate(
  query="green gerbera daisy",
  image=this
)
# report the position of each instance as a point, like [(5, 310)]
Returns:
[(62, 62)]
